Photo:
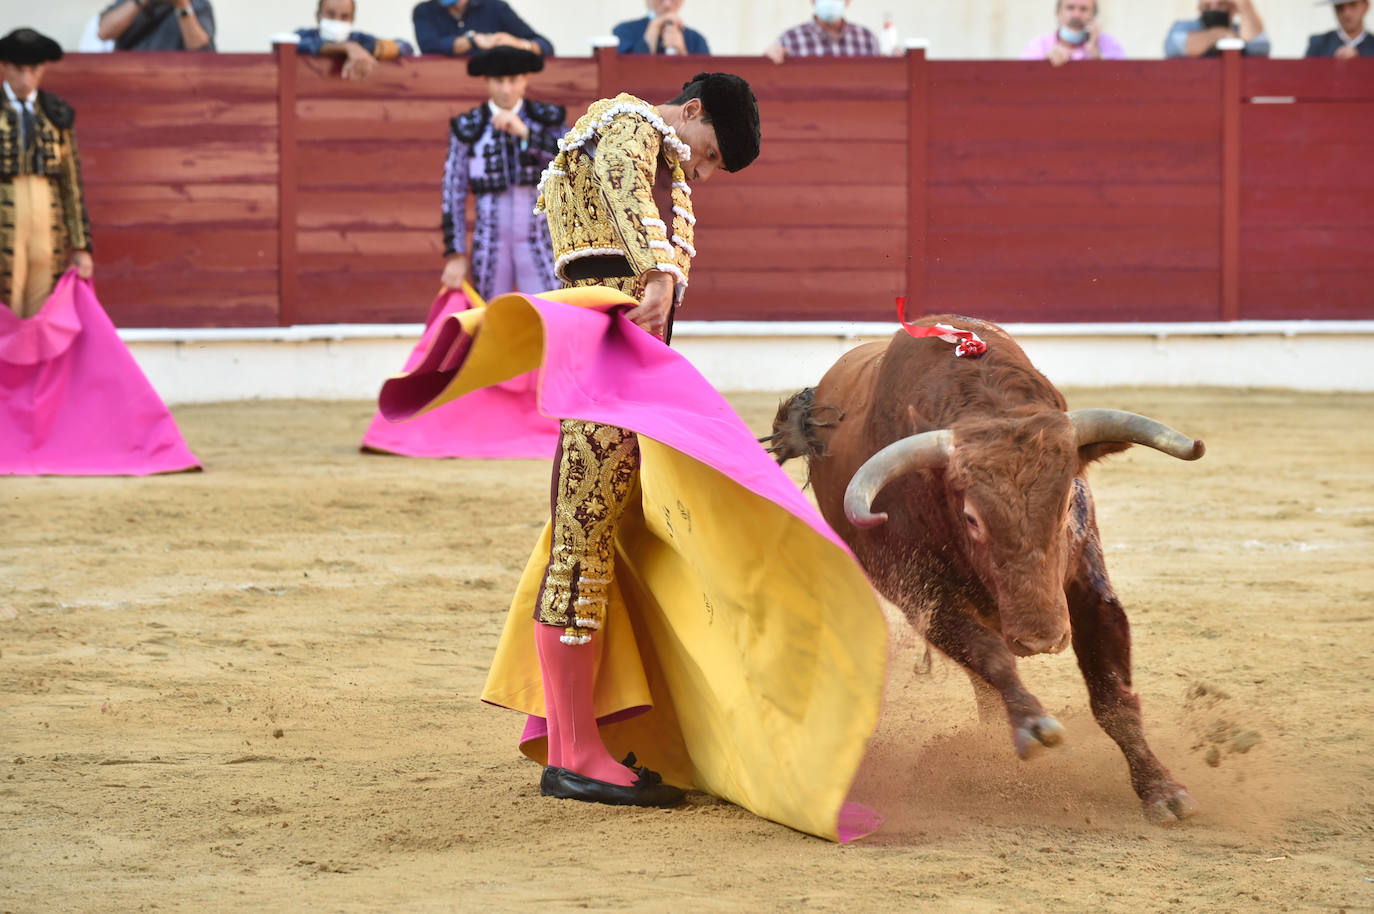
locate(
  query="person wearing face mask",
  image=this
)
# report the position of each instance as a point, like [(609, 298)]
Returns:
[(1076, 38), (1351, 39), (827, 34), (497, 151), (458, 28), (333, 36), (660, 32), (1218, 19)]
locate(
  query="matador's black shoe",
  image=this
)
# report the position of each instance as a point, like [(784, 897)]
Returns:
[(647, 790)]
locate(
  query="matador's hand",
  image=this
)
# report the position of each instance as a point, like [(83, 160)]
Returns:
[(657, 303), (84, 264)]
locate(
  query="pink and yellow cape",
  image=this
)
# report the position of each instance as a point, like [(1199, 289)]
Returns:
[(496, 421), (741, 629)]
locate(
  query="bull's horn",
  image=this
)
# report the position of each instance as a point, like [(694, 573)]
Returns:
[(928, 449), (1093, 426)]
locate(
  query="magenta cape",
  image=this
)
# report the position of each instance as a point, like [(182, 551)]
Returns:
[(744, 652), (75, 403), (498, 421)]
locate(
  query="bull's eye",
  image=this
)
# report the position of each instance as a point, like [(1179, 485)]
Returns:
[(971, 520)]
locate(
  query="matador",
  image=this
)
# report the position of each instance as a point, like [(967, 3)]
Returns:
[(618, 198)]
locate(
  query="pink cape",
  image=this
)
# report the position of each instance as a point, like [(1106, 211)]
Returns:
[(74, 401), (499, 421), (596, 365)]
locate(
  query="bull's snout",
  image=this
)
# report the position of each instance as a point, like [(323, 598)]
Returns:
[(1026, 646)]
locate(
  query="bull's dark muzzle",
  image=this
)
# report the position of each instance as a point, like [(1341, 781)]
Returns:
[(1028, 645)]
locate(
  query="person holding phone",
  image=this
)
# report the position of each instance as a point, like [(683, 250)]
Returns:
[(1076, 37), (1218, 19)]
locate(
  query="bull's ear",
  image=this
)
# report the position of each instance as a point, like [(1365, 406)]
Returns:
[(1090, 453)]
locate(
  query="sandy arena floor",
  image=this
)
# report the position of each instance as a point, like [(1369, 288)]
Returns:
[(254, 689)]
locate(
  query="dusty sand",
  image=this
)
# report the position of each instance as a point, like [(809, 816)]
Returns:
[(255, 689)]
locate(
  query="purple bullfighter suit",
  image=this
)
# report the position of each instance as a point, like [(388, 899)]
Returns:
[(510, 244)]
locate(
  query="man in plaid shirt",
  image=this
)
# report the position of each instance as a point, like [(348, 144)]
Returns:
[(827, 34)]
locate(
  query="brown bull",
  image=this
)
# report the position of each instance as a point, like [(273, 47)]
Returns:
[(959, 484)]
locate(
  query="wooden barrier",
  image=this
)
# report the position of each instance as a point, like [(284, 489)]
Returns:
[(262, 189)]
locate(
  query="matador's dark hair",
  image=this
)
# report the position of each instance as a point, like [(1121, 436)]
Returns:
[(729, 105)]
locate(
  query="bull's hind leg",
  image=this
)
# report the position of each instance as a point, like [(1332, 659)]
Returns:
[(1102, 641), (992, 669)]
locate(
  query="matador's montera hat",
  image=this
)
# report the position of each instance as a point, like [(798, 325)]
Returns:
[(730, 106), (26, 48), (504, 60)]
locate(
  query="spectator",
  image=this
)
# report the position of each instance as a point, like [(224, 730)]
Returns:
[(1351, 39), (1217, 20), (499, 150), (1077, 38), (40, 179), (333, 36), (660, 32), (458, 27), (827, 34), (159, 25)]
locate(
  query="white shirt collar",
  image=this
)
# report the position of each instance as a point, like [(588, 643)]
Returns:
[(497, 109), (1352, 42), (16, 100)]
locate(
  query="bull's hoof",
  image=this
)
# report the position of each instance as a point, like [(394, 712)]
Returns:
[(1173, 807), (1036, 733)]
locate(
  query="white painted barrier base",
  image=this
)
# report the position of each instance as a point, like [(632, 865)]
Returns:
[(350, 361)]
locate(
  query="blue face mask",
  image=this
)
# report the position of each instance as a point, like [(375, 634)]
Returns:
[(830, 11), (449, 2), (1072, 36)]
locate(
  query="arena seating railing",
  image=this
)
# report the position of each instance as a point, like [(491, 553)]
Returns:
[(258, 190)]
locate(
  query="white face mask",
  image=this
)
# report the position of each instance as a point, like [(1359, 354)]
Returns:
[(335, 29), (830, 11)]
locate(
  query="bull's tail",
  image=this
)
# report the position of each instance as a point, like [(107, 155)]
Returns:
[(795, 427)]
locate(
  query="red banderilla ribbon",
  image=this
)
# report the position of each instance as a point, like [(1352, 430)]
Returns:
[(968, 343)]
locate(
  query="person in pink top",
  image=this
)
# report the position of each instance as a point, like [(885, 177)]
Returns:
[(1076, 38)]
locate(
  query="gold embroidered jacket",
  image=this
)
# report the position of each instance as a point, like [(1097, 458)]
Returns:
[(58, 161), (598, 195)]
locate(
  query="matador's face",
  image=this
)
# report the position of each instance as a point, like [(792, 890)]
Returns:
[(700, 135), (23, 78)]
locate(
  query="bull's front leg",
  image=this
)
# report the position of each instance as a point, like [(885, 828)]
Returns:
[(992, 667), (1102, 642)]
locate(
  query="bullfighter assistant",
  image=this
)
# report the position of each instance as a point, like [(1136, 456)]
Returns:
[(43, 219), (497, 151), (619, 205)]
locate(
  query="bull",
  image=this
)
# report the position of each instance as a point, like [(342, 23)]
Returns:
[(959, 483)]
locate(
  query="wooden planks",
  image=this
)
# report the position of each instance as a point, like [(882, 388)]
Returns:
[(180, 160), (1007, 190), (1307, 192), (1052, 197), (1309, 80)]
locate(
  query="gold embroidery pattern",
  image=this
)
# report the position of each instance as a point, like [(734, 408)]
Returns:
[(60, 163), (601, 207), (596, 472)]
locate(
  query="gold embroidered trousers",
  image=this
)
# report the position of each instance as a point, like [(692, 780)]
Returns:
[(595, 471), (30, 243)]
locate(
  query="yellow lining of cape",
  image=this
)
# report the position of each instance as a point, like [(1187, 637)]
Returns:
[(756, 641)]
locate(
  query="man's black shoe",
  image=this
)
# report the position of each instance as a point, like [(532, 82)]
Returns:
[(647, 790)]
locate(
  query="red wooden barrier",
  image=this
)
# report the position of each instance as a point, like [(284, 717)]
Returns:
[(1014, 191)]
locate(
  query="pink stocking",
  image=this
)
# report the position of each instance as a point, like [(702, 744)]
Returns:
[(569, 672)]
